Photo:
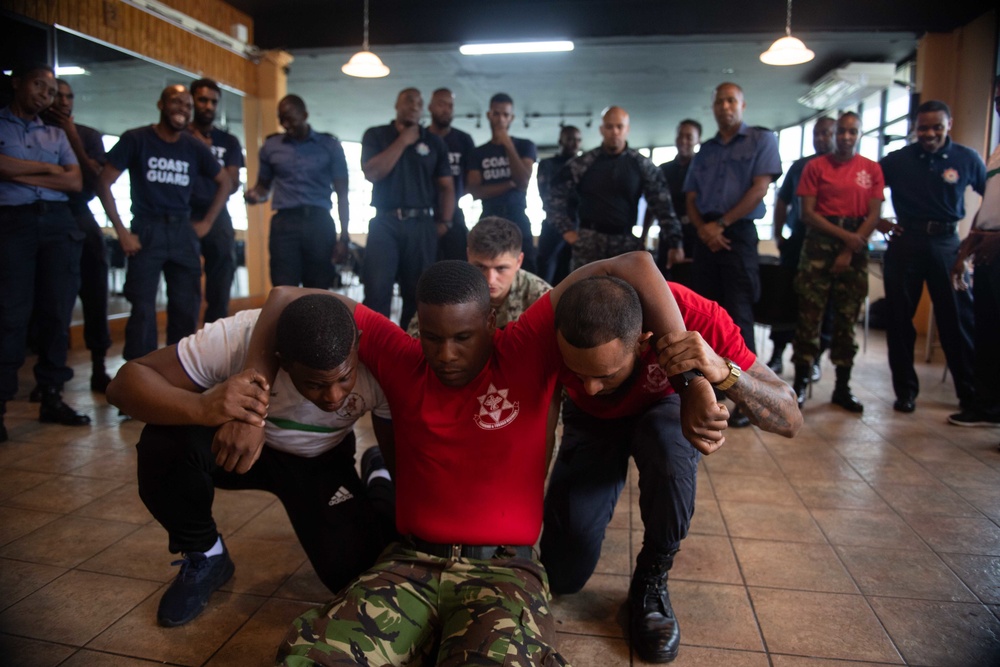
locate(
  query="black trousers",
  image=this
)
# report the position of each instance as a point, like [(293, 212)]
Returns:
[(94, 283), (341, 527), (218, 247), (731, 277)]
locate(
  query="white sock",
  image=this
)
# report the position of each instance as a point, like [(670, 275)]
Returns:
[(216, 549), (381, 472)]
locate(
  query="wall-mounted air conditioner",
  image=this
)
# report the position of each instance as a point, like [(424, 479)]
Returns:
[(848, 84)]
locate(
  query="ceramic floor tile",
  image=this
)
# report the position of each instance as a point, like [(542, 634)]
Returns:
[(583, 651), (262, 566), (123, 504), (63, 493), (256, 642), (904, 573), (62, 459), (799, 661), (233, 509), (117, 465), (14, 481), (270, 524), (899, 470), (705, 558), (86, 658), (16, 651), (67, 541), (980, 573), (941, 633), (771, 522), (141, 554), (810, 567), (616, 556), (304, 585), (957, 534), (707, 518), (838, 494), (703, 608), (75, 607), (19, 579), (823, 625), (925, 499), (984, 498), (763, 490), (699, 656), (867, 529), (16, 522), (597, 610), (138, 635)]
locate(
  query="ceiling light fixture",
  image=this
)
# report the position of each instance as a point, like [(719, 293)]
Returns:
[(364, 63), (500, 48), (70, 70), (787, 50)]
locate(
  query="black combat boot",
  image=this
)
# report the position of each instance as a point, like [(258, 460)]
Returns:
[(801, 382), (656, 636), (54, 411), (842, 395), (99, 378)]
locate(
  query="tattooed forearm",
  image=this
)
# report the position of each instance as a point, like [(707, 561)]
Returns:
[(767, 401)]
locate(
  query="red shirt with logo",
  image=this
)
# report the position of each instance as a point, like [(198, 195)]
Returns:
[(842, 189), (470, 461), (649, 383)]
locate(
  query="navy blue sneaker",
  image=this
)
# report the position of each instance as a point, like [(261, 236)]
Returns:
[(371, 460), (200, 576)]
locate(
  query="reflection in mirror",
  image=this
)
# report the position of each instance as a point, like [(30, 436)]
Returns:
[(117, 91)]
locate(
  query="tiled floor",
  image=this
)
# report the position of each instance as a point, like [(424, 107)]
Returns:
[(865, 540)]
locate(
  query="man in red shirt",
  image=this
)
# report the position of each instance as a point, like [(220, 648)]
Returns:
[(620, 404), (472, 403), (842, 195)]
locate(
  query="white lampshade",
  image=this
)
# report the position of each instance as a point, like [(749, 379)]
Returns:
[(787, 51), (366, 65)]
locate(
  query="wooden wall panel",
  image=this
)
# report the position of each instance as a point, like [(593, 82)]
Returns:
[(152, 37)]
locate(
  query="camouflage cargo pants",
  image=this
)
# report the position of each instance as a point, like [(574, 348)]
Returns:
[(414, 609), (592, 246), (815, 285)]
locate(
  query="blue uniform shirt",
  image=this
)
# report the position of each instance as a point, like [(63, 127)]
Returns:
[(722, 173), (161, 172), (931, 186), (226, 149), (460, 146), (302, 172), (31, 140), (787, 194), (491, 161), (411, 183)]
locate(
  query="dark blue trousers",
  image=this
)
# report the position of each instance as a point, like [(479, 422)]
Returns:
[(454, 244), (986, 289), (397, 251), (218, 247), (301, 246), (171, 247), (731, 277), (40, 248), (589, 475), (910, 260), (554, 255), (94, 283)]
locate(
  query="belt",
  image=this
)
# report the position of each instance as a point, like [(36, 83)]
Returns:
[(166, 218), (845, 221), (40, 207), (305, 210), (605, 228), (406, 213), (479, 552), (928, 227)]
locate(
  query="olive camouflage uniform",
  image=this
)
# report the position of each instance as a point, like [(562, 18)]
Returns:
[(816, 284), (412, 608), (526, 289), (593, 246)]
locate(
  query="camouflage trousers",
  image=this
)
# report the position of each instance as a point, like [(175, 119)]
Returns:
[(592, 246), (816, 284), (411, 608)]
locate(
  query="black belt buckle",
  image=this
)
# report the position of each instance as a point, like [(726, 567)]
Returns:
[(407, 213), (938, 228), (477, 552)]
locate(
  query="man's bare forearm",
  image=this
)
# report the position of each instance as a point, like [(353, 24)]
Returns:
[(767, 401)]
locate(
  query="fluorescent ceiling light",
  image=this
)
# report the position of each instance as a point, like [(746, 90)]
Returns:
[(70, 70), (515, 47)]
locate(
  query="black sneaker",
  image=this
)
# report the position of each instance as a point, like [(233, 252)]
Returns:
[(200, 576), (656, 636), (843, 397), (738, 420), (974, 418), (54, 411)]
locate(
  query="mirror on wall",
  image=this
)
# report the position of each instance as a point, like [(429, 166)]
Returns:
[(116, 91)]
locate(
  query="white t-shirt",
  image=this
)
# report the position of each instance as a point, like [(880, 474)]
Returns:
[(294, 425), (988, 218)]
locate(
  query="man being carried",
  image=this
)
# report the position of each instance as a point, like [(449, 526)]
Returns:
[(620, 404), (499, 172), (184, 392), (495, 249)]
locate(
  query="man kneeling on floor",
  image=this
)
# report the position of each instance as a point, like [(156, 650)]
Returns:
[(185, 392)]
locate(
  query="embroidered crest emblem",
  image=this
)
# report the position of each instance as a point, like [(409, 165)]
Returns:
[(495, 411), (656, 379), (863, 179), (353, 407), (423, 150), (950, 176)]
